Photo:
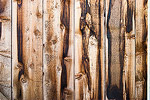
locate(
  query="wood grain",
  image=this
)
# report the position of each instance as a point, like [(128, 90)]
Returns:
[(141, 49), (58, 50), (27, 61), (73, 49), (5, 49)]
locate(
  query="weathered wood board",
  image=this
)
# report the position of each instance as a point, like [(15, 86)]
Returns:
[(5, 49), (141, 48), (73, 49), (27, 50), (58, 50), (127, 35)]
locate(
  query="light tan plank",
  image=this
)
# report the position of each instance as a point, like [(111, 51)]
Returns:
[(141, 49), (27, 79), (5, 48)]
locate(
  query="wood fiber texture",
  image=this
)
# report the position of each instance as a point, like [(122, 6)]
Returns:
[(73, 49)]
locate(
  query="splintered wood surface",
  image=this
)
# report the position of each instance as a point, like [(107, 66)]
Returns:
[(73, 49)]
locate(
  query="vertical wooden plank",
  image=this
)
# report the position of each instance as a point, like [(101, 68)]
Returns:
[(67, 76), (129, 56), (32, 49), (141, 49), (114, 84), (58, 50), (89, 50), (78, 49), (98, 22), (15, 66), (97, 29), (27, 64), (69, 56), (121, 49), (81, 58), (5, 49)]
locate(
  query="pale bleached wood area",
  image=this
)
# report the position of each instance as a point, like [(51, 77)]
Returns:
[(5, 49), (73, 49)]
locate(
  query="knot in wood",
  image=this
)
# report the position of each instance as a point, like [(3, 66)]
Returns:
[(68, 59), (38, 14), (36, 32), (59, 68), (31, 65), (67, 92), (4, 19), (62, 27), (19, 66), (79, 75), (23, 80)]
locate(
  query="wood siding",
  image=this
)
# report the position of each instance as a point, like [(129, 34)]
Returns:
[(73, 49)]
